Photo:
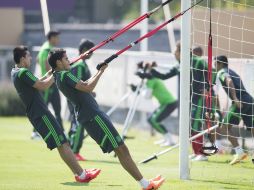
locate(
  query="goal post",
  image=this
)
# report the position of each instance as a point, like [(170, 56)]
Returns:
[(185, 91)]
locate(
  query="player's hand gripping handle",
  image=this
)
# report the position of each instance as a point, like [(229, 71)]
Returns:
[(108, 60)]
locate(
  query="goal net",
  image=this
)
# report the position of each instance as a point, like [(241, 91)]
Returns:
[(232, 32)]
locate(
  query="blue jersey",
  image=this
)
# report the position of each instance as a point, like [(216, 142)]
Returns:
[(240, 90), (84, 103)]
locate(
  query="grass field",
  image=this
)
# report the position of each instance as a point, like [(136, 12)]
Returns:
[(27, 164)]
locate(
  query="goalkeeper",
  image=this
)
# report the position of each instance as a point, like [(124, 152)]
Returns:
[(242, 104), (167, 101)]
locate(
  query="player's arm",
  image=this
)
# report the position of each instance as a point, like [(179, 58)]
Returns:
[(34, 82), (173, 72), (44, 84), (89, 85), (232, 92), (48, 74)]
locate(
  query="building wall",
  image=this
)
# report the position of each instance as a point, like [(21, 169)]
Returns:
[(12, 25)]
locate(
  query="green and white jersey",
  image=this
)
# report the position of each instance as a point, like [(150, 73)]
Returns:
[(23, 81), (160, 92), (43, 56), (81, 70)]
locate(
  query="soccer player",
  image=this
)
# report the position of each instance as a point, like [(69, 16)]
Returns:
[(81, 71), (167, 101), (28, 86), (96, 122), (50, 95), (242, 104), (198, 87)]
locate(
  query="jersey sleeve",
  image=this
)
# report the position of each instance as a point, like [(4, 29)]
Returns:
[(173, 72), (70, 79), (26, 76), (222, 76)]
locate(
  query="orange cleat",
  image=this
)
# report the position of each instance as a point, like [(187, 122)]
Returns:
[(155, 183), (90, 175)]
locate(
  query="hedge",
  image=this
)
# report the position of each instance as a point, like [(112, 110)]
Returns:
[(10, 103)]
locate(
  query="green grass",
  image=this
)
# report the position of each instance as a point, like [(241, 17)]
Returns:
[(27, 164)]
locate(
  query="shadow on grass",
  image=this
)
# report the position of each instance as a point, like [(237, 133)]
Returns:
[(75, 184), (219, 161), (115, 185), (250, 186), (103, 161)]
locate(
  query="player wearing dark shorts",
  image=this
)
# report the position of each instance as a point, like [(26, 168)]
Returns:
[(242, 104), (81, 71), (96, 122), (50, 95), (28, 86)]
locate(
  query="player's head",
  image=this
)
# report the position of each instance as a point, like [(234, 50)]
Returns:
[(221, 61), (178, 51), (58, 60), (198, 51), (53, 37), (22, 56), (85, 45)]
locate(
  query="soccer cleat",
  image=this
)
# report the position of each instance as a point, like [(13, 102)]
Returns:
[(79, 157), (155, 183), (35, 136), (200, 158), (90, 175), (192, 156), (167, 143), (238, 158), (160, 141)]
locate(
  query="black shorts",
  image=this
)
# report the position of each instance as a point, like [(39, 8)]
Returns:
[(50, 130), (101, 129), (235, 115)]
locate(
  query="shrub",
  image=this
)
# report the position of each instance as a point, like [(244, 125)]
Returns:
[(10, 103)]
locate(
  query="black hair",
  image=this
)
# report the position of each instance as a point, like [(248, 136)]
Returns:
[(85, 44), (197, 50), (18, 53), (54, 55), (222, 59), (52, 33)]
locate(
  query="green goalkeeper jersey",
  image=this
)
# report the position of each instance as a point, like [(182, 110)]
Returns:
[(160, 92)]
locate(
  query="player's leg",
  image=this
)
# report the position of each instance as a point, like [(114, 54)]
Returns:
[(233, 117), (163, 115), (77, 143), (54, 137), (103, 132), (75, 134), (197, 111), (153, 120)]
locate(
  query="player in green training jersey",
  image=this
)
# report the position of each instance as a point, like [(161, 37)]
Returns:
[(96, 122), (50, 95), (167, 101), (28, 86), (81, 71)]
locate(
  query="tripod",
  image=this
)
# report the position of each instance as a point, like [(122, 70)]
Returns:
[(132, 109)]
